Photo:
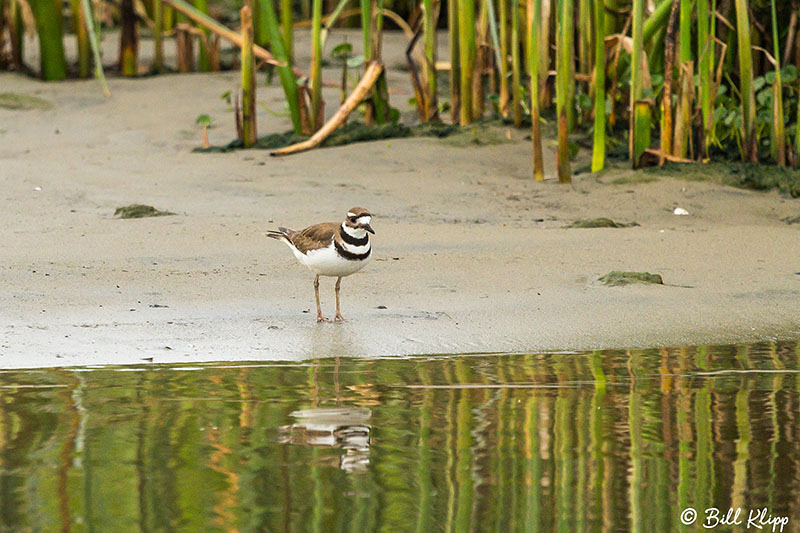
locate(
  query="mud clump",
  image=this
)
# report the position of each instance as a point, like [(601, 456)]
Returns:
[(600, 223), (23, 102), (139, 211), (617, 278)]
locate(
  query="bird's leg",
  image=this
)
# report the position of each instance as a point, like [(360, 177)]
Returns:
[(338, 317), (320, 318)]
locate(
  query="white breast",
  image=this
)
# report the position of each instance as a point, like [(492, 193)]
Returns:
[(326, 262)]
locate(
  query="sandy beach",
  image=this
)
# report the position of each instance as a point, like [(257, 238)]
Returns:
[(470, 254)]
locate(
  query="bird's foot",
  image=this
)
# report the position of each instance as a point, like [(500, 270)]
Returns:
[(338, 317), (321, 319)]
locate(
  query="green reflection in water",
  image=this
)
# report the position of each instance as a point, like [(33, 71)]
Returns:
[(602, 441)]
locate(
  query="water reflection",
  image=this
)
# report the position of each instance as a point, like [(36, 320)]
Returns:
[(338, 427), (600, 441)]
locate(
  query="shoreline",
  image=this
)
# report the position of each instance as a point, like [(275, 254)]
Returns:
[(471, 255)]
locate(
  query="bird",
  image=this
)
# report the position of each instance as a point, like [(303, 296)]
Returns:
[(331, 249)]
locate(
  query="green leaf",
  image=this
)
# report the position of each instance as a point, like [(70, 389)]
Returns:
[(342, 51), (355, 61), (789, 74), (203, 120), (573, 149)]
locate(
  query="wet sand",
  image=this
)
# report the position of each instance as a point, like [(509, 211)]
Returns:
[(470, 254)]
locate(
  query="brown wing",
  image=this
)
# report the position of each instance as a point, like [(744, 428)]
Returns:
[(313, 237)]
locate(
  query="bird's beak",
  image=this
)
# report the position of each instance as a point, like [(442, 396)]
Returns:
[(369, 228)]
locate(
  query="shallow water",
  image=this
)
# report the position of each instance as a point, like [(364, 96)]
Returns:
[(600, 441)]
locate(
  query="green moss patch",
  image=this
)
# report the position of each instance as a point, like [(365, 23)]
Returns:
[(633, 179), (600, 223), (139, 211), (352, 132), (23, 102), (617, 278), (743, 175), (477, 134)]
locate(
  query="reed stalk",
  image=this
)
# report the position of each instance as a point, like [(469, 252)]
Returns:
[(481, 61), (366, 28), (167, 18), (563, 77), (287, 28), (749, 148), (685, 68), (158, 42), (655, 52), (203, 60), (260, 35), (184, 47), (248, 79), (502, 64), (455, 54), (599, 134), (534, 12), (516, 74), (585, 38), (493, 59), (613, 20), (657, 20), (380, 95), (316, 64), (16, 31), (570, 102), (640, 109), (51, 48), (287, 77), (797, 140), (82, 37), (431, 109), (372, 27), (466, 47), (545, 91), (705, 64), (91, 29), (778, 144), (669, 68), (129, 40)]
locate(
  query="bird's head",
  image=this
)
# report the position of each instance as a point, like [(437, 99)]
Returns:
[(359, 218)]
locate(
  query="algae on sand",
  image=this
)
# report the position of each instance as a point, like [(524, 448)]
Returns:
[(352, 132), (139, 211), (617, 278), (23, 102), (742, 175), (600, 223)]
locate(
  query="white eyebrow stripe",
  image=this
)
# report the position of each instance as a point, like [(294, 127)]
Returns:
[(350, 214)]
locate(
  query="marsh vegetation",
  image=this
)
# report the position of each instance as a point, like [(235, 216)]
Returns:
[(660, 81)]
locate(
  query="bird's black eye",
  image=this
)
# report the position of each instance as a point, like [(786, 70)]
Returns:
[(353, 220)]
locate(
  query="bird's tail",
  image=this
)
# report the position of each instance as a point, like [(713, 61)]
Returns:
[(282, 234)]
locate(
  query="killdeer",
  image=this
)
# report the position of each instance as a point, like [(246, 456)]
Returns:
[(331, 249)]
